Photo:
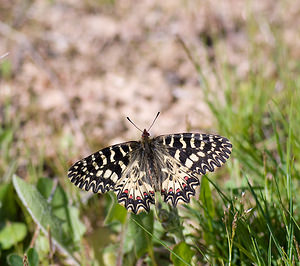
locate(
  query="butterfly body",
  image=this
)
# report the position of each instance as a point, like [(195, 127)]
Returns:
[(135, 170)]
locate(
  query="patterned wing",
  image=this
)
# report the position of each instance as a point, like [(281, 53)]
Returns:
[(134, 189), (186, 156), (122, 168), (178, 182), (100, 171)]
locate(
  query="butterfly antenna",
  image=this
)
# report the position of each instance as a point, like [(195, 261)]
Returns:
[(134, 124), (154, 121)]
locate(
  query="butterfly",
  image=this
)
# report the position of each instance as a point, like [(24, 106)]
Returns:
[(135, 170)]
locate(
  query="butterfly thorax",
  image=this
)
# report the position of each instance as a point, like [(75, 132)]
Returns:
[(146, 142), (150, 161)]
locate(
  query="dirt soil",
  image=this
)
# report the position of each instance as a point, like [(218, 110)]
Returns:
[(78, 68)]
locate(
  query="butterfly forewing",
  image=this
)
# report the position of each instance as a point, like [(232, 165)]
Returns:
[(170, 164), (198, 152), (100, 171)]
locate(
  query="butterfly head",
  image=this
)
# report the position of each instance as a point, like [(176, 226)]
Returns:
[(145, 134)]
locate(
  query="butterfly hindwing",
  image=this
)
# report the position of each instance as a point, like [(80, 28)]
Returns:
[(178, 183), (133, 190)]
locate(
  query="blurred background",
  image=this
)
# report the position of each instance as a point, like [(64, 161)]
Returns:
[(75, 70)]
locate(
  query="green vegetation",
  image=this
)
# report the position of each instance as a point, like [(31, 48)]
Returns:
[(246, 213)]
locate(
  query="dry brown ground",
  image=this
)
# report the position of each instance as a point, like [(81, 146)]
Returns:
[(80, 67)]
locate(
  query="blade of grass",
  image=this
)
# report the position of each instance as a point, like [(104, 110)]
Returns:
[(270, 251), (289, 184), (161, 242), (267, 220)]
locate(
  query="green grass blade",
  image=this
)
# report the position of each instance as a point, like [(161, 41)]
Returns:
[(161, 242)]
